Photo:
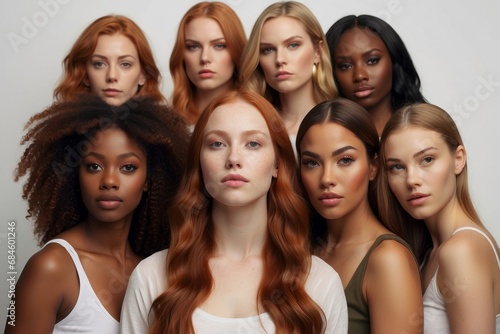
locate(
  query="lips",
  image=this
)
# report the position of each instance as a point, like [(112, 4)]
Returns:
[(206, 74), (108, 201), (282, 75), (417, 199), (234, 180), (111, 92), (330, 198), (363, 91)]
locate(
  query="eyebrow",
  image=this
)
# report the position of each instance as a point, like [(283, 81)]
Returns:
[(244, 133), (334, 153), (364, 54), (220, 39), (288, 40), (419, 153), (104, 57), (121, 156)]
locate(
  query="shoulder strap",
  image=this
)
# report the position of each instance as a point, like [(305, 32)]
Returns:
[(470, 228)]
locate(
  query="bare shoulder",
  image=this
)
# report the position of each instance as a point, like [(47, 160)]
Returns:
[(52, 261), (465, 250), (391, 254)]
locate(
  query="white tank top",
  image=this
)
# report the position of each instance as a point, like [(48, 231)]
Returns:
[(435, 316), (88, 315)]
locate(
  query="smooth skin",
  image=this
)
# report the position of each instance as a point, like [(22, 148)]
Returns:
[(335, 171), (238, 163), (362, 68), (48, 287), (422, 174), (287, 57), (114, 71), (209, 65)]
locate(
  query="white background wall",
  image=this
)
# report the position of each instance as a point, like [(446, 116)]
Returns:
[(454, 44)]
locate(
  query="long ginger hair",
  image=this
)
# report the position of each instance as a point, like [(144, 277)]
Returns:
[(183, 96), (72, 81), (286, 253), (57, 138)]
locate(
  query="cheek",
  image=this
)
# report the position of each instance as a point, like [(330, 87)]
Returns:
[(310, 181)]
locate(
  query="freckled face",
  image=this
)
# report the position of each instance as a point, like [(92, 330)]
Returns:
[(112, 177), (335, 170), (209, 65), (237, 157), (287, 55), (421, 171), (363, 69), (114, 71)]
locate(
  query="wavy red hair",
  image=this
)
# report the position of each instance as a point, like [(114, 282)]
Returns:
[(286, 254), (71, 84), (183, 96)]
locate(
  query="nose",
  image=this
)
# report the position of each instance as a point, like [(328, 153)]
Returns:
[(359, 73), (109, 180), (280, 57), (233, 159), (328, 178), (413, 177), (206, 57), (112, 75)]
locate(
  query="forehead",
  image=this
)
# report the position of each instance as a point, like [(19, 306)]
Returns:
[(203, 28), (115, 42), (236, 117), (282, 27), (412, 139), (329, 137), (358, 40)]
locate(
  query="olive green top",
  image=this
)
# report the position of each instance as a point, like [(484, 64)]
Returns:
[(357, 308)]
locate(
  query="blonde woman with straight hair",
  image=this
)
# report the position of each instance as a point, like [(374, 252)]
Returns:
[(287, 60)]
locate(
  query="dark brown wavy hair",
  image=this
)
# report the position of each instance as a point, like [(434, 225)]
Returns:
[(56, 139), (286, 253), (74, 64)]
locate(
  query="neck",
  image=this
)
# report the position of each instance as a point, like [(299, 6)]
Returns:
[(357, 226), (108, 238), (442, 225), (203, 97), (295, 105), (380, 114), (240, 231)]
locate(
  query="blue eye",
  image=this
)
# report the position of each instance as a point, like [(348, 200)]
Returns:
[(254, 144), (216, 144), (310, 163)]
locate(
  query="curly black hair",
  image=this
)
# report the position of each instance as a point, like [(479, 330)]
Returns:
[(56, 139)]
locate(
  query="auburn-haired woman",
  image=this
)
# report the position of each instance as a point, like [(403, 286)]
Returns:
[(239, 259), (113, 59), (205, 58)]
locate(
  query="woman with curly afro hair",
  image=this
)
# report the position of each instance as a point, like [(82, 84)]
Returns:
[(99, 181)]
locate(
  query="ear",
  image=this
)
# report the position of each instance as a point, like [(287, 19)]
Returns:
[(373, 168), (86, 81), (319, 51), (142, 79), (275, 172), (460, 159), (145, 188)]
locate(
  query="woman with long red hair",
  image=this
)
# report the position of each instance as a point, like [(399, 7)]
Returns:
[(205, 59), (239, 259), (113, 59)]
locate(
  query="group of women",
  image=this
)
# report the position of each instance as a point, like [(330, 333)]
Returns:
[(295, 182)]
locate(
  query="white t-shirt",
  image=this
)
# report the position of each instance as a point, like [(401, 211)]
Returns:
[(148, 281)]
